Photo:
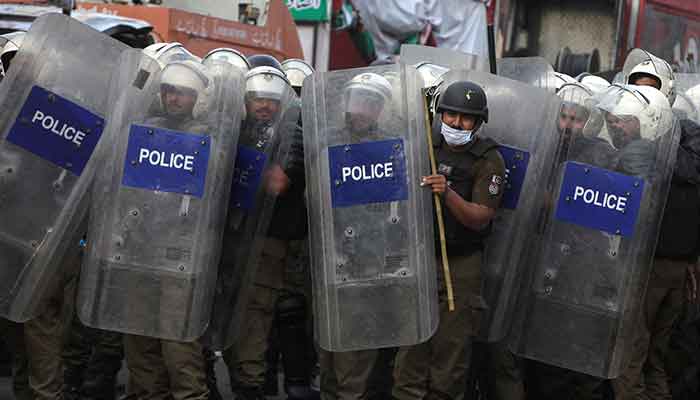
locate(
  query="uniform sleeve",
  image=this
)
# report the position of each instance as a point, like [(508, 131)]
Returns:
[(489, 180)]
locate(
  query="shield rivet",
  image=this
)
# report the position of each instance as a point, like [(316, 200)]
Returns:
[(586, 170)]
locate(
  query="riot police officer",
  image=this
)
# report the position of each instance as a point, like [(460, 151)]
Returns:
[(158, 367), (676, 251), (469, 181)]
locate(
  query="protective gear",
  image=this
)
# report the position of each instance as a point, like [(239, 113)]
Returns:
[(445, 57), (166, 53), (535, 71), (231, 56), (374, 287), (264, 60), (371, 83), (593, 260), (688, 101), (574, 93), (296, 71), (264, 153), (560, 79), (431, 73), (594, 83), (66, 95), (265, 83), (640, 63), (291, 319), (10, 42), (466, 98), (526, 138), (153, 234), (684, 108), (455, 137)]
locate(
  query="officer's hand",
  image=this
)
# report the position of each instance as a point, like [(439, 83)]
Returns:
[(437, 182), (691, 282), (276, 181)]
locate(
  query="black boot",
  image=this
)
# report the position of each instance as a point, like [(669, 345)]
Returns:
[(210, 359)]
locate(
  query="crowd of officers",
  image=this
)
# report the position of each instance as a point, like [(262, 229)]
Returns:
[(55, 356)]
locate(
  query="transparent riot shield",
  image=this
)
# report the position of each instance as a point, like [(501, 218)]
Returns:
[(371, 224), (264, 149), (159, 200), (413, 54), (579, 308), (535, 71), (54, 99), (527, 134)]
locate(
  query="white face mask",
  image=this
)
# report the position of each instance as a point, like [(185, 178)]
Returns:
[(455, 137)]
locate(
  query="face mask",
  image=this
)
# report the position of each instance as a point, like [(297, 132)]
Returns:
[(455, 137)]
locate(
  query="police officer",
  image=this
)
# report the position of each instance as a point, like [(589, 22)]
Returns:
[(675, 257), (265, 85), (163, 368), (346, 375), (469, 181)]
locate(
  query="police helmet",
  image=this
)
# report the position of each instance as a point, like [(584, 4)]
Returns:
[(641, 63), (265, 83), (185, 75), (13, 41), (464, 97), (264, 60), (228, 55), (296, 70), (371, 84)]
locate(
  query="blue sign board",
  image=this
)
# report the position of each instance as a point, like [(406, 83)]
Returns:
[(371, 172), (56, 130), (166, 161), (599, 199), (516, 161), (247, 176)]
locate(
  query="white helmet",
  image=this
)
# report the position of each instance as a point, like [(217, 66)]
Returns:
[(641, 62), (560, 79), (166, 53), (431, 73), (185, 75), (265, 83), (574, 92), (594, 83), (369, 83), (11, 42), (648, 105), (684, 107), (227, 55), (296, 70)]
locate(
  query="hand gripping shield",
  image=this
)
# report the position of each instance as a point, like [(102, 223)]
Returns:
[(371, 224), (159, 202), (527, 135), (535, 71), (265, 150), (54, 99), (579, 309)]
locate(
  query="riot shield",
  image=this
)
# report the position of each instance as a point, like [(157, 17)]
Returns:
[(371, 224), (580, 305), (413, 54), (159, 202), (535, 71), (527, 134), (264, 146), (54, 98)]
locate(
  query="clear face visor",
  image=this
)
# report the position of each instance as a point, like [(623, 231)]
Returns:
[(265, 86), (363, 102), (295, 76)]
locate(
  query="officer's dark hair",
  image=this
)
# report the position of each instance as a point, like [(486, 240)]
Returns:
[(638, 75)]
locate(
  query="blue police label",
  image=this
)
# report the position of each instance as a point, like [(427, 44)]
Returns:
[(56, 130), (247, 176), (516, 161), (166, 160), (599, 199), (372, 172)]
